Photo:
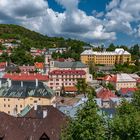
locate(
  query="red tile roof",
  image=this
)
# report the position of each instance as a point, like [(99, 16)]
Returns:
[(126, 90), (60, 59), (68, 72), (39, 65), (111, 78), (105, 94), (26, 77), (2, 64), (70, 89)]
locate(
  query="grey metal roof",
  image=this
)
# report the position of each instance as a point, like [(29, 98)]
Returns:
[(29, 89), (76, 64)]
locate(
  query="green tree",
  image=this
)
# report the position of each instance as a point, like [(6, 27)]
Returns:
[(126, 123), (21, 57), (136, 100), (82, 86), (111, 47), (87, 125), (39, 59), (110, 86)]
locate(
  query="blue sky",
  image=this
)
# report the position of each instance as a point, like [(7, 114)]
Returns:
[(85, 5), (93, 21)]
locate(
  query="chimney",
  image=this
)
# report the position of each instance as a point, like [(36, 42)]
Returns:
[(54, 105), (6, 64), (45, 113), (21, 83), (9, 82), (0, 83), (36, 82), (35, 106)]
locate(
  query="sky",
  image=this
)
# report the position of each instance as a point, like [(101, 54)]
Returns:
[(93, 21)]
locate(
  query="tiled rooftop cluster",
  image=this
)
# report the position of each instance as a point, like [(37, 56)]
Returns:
[(119, 77)]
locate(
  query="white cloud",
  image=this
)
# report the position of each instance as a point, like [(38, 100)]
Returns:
[(69, 5), (113, 4), (73, 22), (97, 14), (121, 14)]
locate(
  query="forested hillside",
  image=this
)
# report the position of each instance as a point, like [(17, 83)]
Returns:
[(34, 39)]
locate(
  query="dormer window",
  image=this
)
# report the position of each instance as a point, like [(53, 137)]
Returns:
[(44, 137)]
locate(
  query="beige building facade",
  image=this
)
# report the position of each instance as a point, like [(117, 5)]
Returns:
[(16, 95), (122, 80), (14, 106)]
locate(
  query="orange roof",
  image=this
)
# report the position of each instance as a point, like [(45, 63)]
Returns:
[(39, 65), (126, 90), (70, 89), (106, 94), (111, 78), (2, 64)]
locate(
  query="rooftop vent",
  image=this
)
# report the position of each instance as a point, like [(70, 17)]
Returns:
[(45, 112)]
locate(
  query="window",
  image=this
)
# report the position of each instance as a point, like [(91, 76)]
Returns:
[(35, 101), (4, 105), (8, 112), (8, 99), (20, 106), (4, 99), (8, 105), (44, 137), (57, 83)]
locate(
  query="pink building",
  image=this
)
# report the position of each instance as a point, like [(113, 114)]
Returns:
[(60, 78)]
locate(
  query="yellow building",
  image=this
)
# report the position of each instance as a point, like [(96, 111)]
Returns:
[(119, 56), (18, 95)]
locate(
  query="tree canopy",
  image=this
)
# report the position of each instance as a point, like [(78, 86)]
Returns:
[(89, 125)]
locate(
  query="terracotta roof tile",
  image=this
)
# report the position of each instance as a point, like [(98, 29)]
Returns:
[(70, 88), (2, 64), (106, 94), (126, 90), (39, 65), (111, 78)]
